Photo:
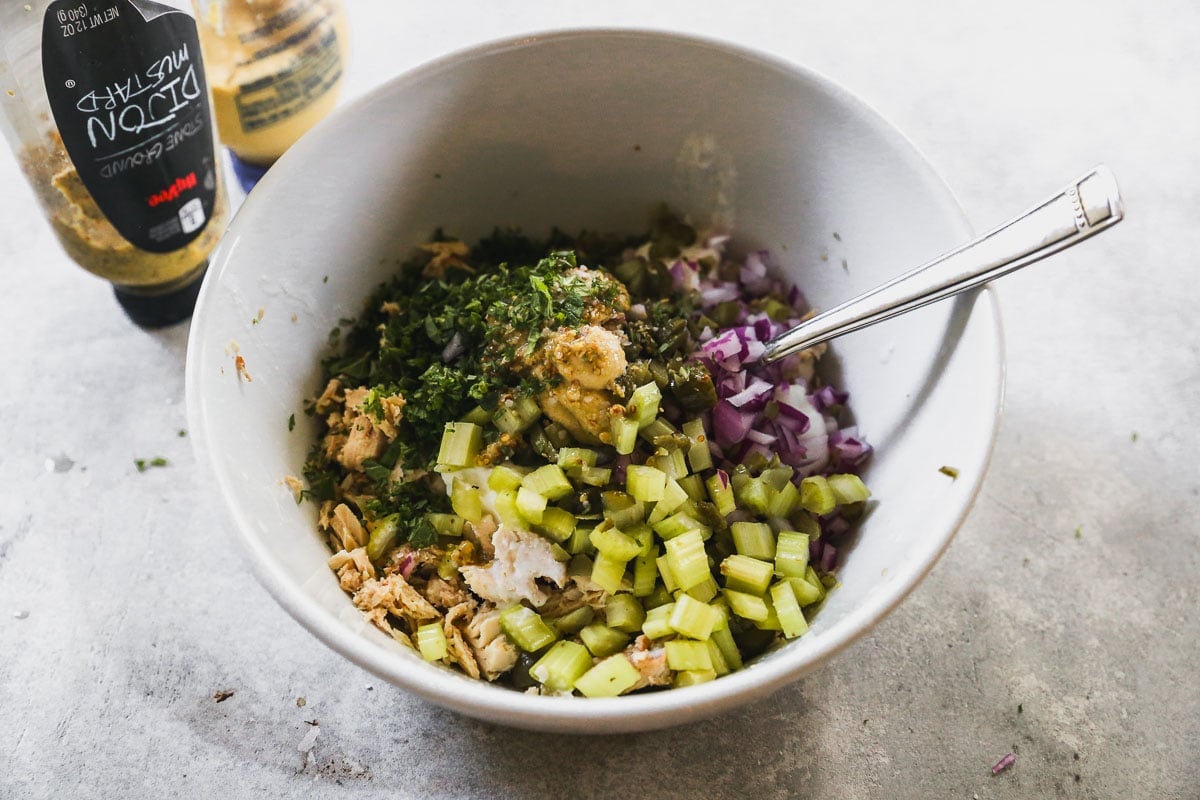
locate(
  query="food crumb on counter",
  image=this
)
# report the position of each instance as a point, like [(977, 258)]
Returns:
[(144, 464), (222, 695), (1003, 763), (240, 364), (952, 472), (301, 702)]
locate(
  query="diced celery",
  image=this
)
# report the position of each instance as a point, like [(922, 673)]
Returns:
[(645, 573), (447, 524), (784, 501), (723, 638), (505, 504), (478, 416), (621, 509), (816, 496), (557, 523), (602, 640), (574, 621), (698, 455), (517, 415), (720, 665), (692, 677), (806, 594), (791, 554), (526, 628), (504, 478), (693, 618), (673, 497), (848, 488), (595, 476), (721, 492), (461, 442), (624, 612), (688, 560), (754, 539), (739, 478), (575, 458), (778, 476), (746, 606), (681, 523), (580, 542), (659, 597), (813, 578), (787, 610), (609, 678), (694, 486), (383, 533), (642, 535), (804, 522), (684, 654), (466, 500), (754, 496), (643, 404), (431, 641), (530, 504), (658, 429), (657, 624), (771, 623), (608, 573), (614, 544), (665, 571), (645, 483), (670, 461), (624, 434), (745, 574), (548, 481), (561, 666), (704, 591)]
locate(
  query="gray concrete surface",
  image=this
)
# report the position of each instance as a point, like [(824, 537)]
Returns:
[(1062, 625)]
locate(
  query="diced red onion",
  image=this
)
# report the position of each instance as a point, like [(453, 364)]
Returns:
[(754, 397), (1004, 763), (759, 437), (730, 425)]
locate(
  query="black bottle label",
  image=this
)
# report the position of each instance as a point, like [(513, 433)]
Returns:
[(126, 87)]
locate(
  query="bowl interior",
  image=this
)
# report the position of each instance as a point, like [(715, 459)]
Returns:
[(592, 129)]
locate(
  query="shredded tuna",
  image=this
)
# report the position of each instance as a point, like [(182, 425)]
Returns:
[(494, 653), (329, 397), (352, 568), (394, 595), (349, 530), (457, 646), (521, 559), (651, 664)]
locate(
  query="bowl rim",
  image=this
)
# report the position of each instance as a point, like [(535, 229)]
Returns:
[(638, 712)]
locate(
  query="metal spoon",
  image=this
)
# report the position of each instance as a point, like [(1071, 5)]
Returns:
[(1084, 208)]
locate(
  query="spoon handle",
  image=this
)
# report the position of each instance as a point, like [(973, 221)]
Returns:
[(1085, 207)]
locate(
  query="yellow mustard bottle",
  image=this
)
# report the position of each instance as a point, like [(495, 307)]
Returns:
[(275, 68)]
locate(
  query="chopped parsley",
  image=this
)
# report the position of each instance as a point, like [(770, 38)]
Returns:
[(451, 335), (144, 464)]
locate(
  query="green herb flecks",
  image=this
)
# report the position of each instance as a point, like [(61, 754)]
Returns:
[(144, 464)]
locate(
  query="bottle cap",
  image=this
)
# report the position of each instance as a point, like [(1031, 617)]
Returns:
[(149, 309)]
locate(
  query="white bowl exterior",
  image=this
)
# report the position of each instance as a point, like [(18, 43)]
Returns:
[(530, 133)]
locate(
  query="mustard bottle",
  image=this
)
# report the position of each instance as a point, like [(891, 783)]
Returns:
[(275, 67), (105, 105)]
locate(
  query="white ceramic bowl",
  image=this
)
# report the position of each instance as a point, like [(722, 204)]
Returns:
[(590, 129)]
